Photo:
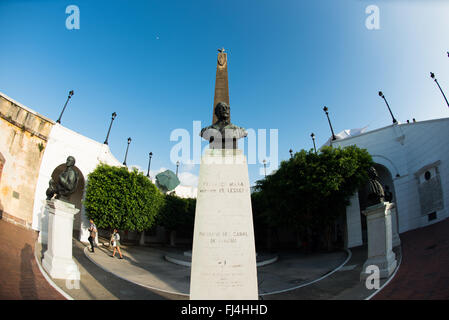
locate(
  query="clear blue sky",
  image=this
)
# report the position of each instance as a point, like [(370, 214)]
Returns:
[(154, 63)]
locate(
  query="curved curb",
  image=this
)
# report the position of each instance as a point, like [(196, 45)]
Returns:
[(388, 281), (313, 281), (49, 280), (136, 283)]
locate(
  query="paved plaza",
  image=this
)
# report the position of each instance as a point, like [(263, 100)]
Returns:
[(144, 274)]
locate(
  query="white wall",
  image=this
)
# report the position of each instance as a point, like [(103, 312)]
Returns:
[(353, 223), (88, 153), (404, 149)]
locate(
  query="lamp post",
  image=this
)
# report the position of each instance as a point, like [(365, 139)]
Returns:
[(432, 75), (388, 106), (110, 125), (313, 139), (126, 154), (265, 167), (291, 153), (149, 164), (325, 109), (63, 109), (177, 166)]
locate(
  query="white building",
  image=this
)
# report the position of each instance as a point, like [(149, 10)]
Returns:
[(412, 159)]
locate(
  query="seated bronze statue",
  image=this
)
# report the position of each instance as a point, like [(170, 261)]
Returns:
[(223, 134), (65, 183), (374, 190)]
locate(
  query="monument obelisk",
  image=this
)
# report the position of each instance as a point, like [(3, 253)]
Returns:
[(223, 254)]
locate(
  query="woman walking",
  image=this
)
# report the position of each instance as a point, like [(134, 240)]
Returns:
[(115, 239)]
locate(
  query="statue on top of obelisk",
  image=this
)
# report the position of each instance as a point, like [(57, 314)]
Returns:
[(222, 134)]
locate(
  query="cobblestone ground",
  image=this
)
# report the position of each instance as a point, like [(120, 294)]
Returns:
[(424, 271), (20, 277)]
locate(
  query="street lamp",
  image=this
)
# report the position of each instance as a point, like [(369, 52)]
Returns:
[(265, 167), (291, 153), (388, 106), (110, 125), (126, 154), (432, 75), (149, 164), (63, 109), (177, 166), (325, 109), (313, 139)]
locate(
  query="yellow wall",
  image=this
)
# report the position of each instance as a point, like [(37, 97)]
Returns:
[(23, 138)]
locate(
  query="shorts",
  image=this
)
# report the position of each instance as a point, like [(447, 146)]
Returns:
[(116, 244)]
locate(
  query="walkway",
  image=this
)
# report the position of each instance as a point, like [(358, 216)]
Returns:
[(20, 277), (424, 273)]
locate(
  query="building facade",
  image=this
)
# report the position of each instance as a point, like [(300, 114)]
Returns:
[(412, 160)]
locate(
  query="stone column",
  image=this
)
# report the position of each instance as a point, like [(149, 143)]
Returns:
[(396, 241), (223, 255), (380, 252), (58, 260), (353, 223)]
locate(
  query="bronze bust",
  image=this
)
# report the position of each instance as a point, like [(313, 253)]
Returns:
[(223, 134), (66, 182)]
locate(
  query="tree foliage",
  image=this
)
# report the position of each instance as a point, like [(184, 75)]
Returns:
[(118, 198), (177, 213), (311, 190)]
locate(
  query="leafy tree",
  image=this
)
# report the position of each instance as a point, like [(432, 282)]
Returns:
[(177, 214), (118, 198), (311, 190)]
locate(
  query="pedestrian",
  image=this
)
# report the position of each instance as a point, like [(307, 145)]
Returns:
[(115, 239), (93, 234)]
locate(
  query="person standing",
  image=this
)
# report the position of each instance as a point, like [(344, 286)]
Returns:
[(115, 239), (93, 234)]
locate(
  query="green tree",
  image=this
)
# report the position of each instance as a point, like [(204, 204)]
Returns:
[(311, 190), (177, 213), (118, 198)]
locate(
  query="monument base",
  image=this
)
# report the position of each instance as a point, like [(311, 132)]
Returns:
[(58, 261), (380, 236), (223, 254)]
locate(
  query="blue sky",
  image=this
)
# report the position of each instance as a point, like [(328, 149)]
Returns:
[(154, 63)]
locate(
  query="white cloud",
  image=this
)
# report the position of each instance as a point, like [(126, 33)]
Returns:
[(188, 179)]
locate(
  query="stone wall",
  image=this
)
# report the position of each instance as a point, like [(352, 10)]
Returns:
[(23, 138)]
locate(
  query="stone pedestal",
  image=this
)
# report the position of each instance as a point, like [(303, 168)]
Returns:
[(223, 255), (380, 252), (58, 260)]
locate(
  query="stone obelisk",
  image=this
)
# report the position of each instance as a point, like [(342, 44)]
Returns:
[(221, 81), (223, 254)]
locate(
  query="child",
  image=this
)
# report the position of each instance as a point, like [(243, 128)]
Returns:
[(115, 239)]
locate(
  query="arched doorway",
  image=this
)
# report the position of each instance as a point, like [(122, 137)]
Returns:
[(386, 180), (76, 197)]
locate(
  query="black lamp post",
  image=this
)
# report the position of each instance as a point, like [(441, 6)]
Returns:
[(291, 153), (63, 109), (112, 120), (432, 75), (388, 106), (313, 139), (177, 166), (325, 109), (126, 154), (265, 167), (149, 164)]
